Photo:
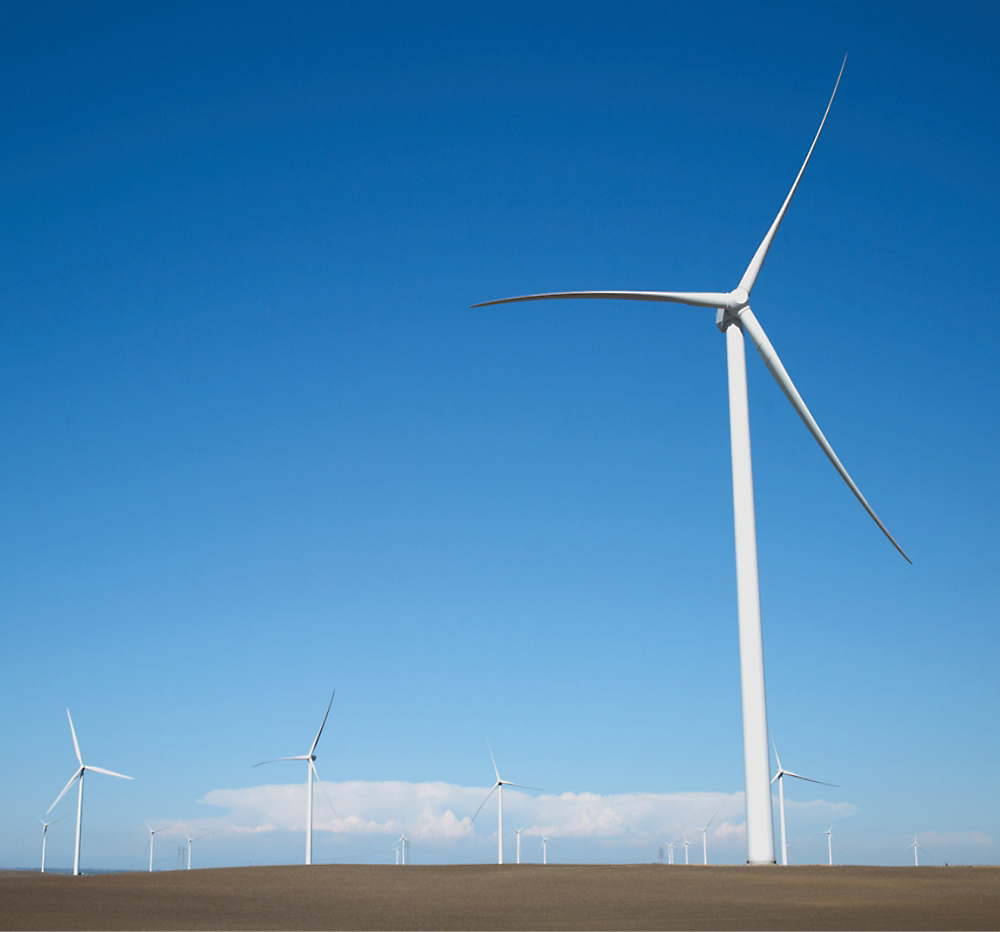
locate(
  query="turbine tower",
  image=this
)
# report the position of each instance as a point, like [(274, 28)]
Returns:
[(152, 833), (670, 852), (829, 842), (45, 831), (916, 847), (704, 838), (735, 318), (780, 777), (78, 776), (686, 845), (190, 842), (499, 785), (311, 758)]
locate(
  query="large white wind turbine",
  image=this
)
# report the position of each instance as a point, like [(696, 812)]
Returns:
[(45, 832), (311, 758), (499, 785), (734, 318), (780, 777), (686, 846), (78, 776)]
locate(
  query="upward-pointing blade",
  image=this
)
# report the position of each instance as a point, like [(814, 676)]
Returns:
[(76, 744), (753, 329), (753, 270), (321, 727), (710, 299)]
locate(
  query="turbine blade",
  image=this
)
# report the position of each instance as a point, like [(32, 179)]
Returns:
[(321, 727), (710, 821), (492, 758), (751, 326), (799, 776), (323, 788), (711, 299), (76, 744), (750, 275), (274, 760), (110, 773), (72, 780), (778, 759), (522, 786), (483, 803)]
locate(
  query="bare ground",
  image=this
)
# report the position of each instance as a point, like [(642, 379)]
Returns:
[(509, 897)]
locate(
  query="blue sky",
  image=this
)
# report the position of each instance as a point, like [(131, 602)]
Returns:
[(257, 447)]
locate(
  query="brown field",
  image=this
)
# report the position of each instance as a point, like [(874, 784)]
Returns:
[(510, 897)]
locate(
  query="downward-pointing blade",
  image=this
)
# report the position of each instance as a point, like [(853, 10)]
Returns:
[(110, 773), (321, 727), (323, 788), (72, 780), (753, 329), (76, 744), (753, 270), (480, 809), (711, 299)]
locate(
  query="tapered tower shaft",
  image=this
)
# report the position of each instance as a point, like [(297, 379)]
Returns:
[(500, 824), (781, 811), (79, 824), (756, 759), (309, 815)]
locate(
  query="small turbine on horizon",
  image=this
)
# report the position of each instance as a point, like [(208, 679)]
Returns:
[(704, 837), (916, 846), (736, 320), (829, 842), (190, 842), (499, 785), (45, 831), (686, 845), (311, 758), (78, 776), (153, 832), (780, 777)]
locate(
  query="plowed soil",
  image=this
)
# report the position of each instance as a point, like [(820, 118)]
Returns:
[(508, 897)]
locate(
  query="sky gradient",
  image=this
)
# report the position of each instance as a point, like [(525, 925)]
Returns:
[(258, 447)]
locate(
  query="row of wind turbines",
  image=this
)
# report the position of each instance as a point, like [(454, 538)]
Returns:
[(403, 842)]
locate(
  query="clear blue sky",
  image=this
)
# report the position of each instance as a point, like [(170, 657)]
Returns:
[(257, 447)]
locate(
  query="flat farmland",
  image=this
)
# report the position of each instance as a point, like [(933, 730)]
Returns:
[(640, 896)]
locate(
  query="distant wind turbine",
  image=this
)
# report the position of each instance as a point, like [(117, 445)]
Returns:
[(78, 776), (311, 758), (403, 841), (545, 843), (499, 785), (686, 844), (735, 318), (45, 831), (829, 842), (190, 842), (152, 833), (670, 852), (704, 837), (780, 777), (916, 847), (517, 832)]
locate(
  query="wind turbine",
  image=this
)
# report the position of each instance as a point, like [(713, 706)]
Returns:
[(829, 842), (670, 852), (311, 758), (704, 837), (78, 776), (152, 833), (686, 844), (780, 777), (545, 843), (45, 831), (916, 847), (517, 832), (734, 318), (499, 785), (403, 841), (190, 842)]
